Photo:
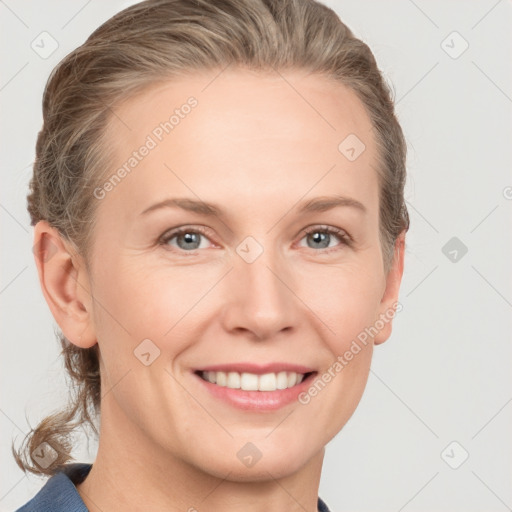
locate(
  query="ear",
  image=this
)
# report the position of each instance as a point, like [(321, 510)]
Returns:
[(389, 304), (65, 284)]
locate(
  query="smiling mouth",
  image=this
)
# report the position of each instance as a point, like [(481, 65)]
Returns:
[(245, 381)]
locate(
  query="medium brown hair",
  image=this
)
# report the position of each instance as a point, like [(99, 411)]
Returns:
[(157, 40)]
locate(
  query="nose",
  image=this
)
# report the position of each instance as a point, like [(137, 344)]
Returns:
[(260, 298)]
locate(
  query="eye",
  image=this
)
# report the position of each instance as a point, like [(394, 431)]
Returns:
[(322, 236), (187, 239)]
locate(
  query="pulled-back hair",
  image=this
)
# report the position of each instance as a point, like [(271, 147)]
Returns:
[(156, 40)]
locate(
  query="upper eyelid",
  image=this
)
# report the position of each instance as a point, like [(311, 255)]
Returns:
[(171, 233)]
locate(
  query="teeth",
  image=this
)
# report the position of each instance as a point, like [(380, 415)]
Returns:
[(221, 379), (253, 382), (292, 379), (249, 382)]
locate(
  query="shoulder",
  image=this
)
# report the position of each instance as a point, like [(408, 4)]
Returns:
[(322, 507), (59, 493)]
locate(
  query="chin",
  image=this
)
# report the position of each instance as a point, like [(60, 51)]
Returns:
[(268, 462)]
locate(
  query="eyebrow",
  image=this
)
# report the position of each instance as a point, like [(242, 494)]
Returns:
[(318, 204)]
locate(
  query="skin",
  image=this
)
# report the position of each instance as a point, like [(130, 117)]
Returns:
[(257, 147)]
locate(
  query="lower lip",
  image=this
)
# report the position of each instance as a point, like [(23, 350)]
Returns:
[(257, 400)]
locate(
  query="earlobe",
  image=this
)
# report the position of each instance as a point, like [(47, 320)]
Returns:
[(388, 306), (65, 284)]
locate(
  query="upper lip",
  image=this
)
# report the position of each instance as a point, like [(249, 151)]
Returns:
[(258, 369)]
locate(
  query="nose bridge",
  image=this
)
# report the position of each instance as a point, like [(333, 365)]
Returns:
[(263, 297), (262, 274)]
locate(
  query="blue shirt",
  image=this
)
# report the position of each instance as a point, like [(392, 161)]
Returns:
[(59, 494)]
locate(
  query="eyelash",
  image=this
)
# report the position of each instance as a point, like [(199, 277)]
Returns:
[(345, 238)]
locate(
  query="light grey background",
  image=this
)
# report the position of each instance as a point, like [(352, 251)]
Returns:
[(445, 374)]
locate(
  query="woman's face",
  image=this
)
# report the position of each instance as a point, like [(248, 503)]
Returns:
[(246, 286)]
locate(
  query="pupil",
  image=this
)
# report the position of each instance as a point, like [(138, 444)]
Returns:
[(189, 238), (318, 238)]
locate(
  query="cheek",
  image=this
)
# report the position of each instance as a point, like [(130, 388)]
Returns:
[(345, 298), (151, 301)]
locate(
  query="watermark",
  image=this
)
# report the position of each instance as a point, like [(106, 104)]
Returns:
[(44, 455), (351, 147), (151, 142), (146, 352), (455, 455), (44, 45), (249, 454), (249, 249), (454, 45), (455, 249), (355, 347)]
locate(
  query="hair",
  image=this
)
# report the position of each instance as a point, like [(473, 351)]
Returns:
[(154, 41)]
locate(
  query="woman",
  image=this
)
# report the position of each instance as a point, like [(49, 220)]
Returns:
[(252, 131)]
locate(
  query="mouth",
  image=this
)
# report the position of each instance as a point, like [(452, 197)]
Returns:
[(255, 387), (247, 381)]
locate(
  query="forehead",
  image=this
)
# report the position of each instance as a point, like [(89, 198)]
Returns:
[(245, 134)]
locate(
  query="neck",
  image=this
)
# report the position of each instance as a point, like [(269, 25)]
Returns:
[(131, 473)]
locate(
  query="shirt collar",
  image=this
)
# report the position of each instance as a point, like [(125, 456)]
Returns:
[(59, 494)]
